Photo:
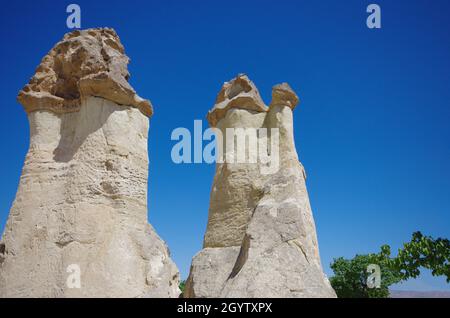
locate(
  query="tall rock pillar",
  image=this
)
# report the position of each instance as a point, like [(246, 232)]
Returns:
[(78, 226), (261, 238)]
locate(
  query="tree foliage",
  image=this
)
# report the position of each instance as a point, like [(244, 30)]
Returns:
[(182, 285), (423, 251), (351, 275)]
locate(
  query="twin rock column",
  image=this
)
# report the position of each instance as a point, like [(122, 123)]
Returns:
[(261, 238), (82, 198)]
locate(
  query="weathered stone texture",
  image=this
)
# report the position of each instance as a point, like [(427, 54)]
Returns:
[(82, 197), (84, 63), (261, 238)]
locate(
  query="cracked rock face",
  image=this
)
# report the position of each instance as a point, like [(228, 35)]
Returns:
[(82, 197), (261, 238)]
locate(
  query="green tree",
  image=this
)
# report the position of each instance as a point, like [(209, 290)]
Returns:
[(182, 285), (423, 251), (350, 275)]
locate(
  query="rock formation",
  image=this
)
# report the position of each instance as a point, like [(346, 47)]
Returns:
[(82, 197), (261, 238)]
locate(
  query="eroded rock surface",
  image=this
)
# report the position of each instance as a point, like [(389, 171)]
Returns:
[(84, 63), (261, 238), (82, 197)]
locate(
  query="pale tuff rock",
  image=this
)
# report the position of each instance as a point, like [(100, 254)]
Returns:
[(82, 197), (84, 63), (261, 238)]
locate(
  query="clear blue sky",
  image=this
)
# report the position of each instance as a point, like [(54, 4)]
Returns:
[(372, 130)]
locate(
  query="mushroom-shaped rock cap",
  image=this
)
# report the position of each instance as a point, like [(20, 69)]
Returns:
[(84, 63), (283, 94), (241, 93)]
